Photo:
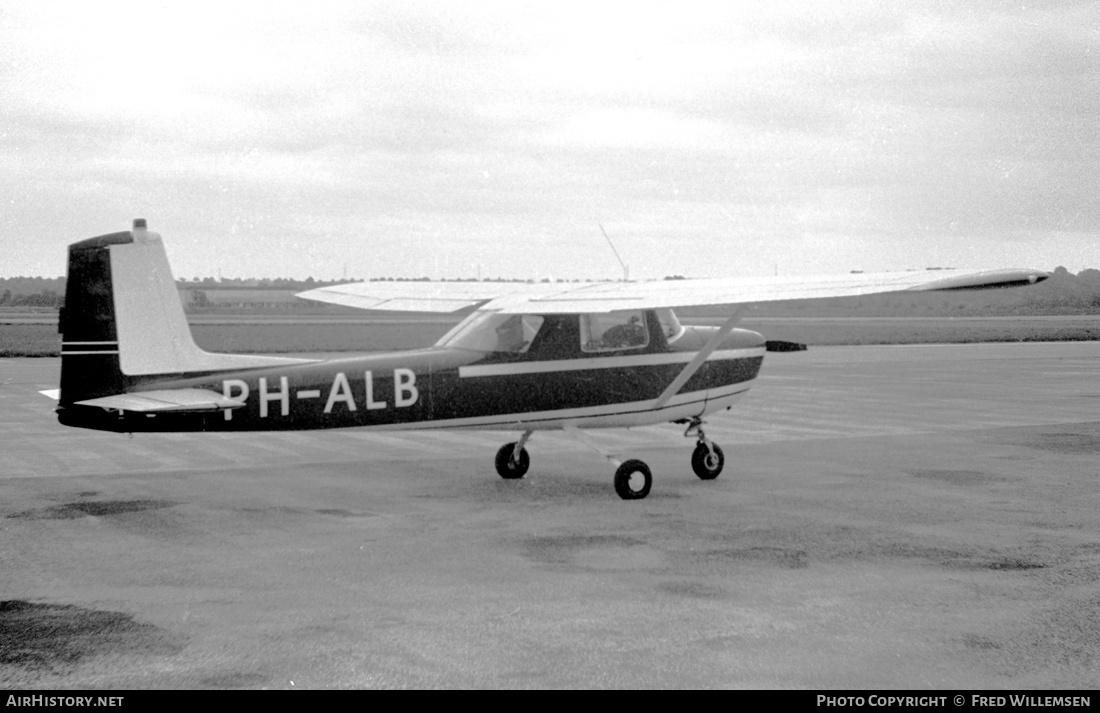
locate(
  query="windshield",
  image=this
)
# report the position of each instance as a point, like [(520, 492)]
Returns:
[(493, 332)]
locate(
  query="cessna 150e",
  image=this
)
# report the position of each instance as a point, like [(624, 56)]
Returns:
[(528, 357)]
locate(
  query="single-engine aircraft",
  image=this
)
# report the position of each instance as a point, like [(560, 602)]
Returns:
[(527, 357)]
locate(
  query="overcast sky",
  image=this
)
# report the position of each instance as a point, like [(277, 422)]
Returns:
[(453, 139)]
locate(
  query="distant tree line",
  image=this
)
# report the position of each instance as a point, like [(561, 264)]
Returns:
[(37, 292), (267, 283), (1064, 289)]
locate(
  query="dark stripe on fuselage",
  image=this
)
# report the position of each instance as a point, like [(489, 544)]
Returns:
[(81, 348), (411, 388)]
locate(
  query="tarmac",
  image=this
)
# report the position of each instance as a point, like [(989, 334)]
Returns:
[(917, 517)]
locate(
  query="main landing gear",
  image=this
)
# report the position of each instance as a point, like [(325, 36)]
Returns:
[(512, 460), (633, 478)]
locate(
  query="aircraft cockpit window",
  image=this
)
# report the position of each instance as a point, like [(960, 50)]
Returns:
[(670, 324), (493, 332), (613, 331), (516, 333)]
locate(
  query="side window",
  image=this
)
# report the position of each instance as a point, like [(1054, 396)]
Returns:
[(517, 332), (613, 331)]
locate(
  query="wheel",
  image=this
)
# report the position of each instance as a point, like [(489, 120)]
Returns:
[(707, 465), (633, 480), (506, 467)]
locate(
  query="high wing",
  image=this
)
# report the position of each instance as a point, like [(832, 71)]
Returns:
[(566, 298)]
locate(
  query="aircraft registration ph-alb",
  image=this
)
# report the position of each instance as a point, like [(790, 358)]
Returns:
[(528, 356)]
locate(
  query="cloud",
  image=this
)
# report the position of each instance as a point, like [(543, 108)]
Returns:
[(502, 133)]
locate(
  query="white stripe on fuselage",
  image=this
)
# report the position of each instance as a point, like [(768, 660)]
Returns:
[(68, 348), (99, 353), (609, 362)]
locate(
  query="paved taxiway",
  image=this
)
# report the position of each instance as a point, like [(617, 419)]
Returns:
[(888, 517)]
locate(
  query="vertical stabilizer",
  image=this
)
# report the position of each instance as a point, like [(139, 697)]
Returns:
[(153, 334), (123, 321)]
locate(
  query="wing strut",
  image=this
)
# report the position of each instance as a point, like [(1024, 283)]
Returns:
[(700, 357)]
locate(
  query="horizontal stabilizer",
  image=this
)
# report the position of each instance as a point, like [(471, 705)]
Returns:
[(549, 298), (176, 400)]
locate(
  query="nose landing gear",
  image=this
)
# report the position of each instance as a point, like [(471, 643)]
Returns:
[(708, 459)]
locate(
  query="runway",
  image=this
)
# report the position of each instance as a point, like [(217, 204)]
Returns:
[(889, 517)]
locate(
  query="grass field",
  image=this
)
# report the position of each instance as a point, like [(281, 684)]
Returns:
[(29, 340), (249, 335)]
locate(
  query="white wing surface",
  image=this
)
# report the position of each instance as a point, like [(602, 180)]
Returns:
[(548, 298), (424, 296)]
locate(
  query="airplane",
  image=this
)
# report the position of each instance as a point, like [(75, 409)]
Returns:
[(527, 357)]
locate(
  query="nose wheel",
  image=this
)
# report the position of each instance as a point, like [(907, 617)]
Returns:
[(707, 459)]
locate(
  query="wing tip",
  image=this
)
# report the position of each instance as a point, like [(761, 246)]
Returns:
[(987, 280)]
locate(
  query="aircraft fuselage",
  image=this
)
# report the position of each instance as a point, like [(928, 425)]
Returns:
[(456, 388)]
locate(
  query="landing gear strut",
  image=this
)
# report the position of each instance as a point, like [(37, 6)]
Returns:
[(512, 460), (707, 460), (633, 478)]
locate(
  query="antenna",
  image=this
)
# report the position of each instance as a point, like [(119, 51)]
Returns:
[(626, 270)]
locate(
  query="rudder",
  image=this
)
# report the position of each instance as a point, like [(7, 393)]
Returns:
[(89, 346)]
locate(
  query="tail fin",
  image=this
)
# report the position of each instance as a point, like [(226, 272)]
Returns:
[(123, 321)]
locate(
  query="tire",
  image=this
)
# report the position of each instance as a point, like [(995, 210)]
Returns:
[(505, 467), (633, 480), (706, 465)]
